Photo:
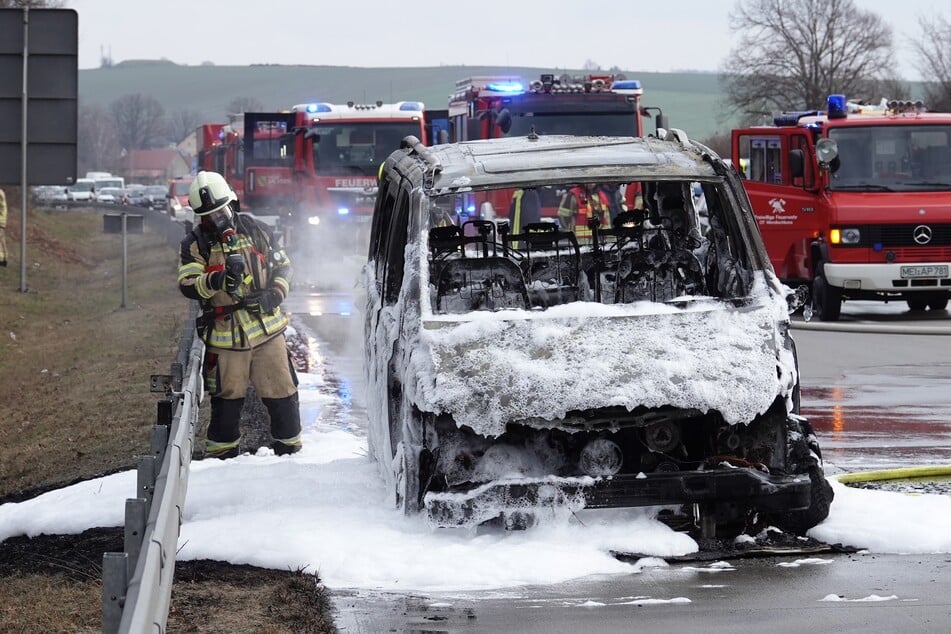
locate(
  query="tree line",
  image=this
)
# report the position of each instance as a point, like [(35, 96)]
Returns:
[(136, 121)]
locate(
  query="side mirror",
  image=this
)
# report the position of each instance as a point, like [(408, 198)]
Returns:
[(797, 299), (661, 121), (827, 151), (796, 163), (504, 120)]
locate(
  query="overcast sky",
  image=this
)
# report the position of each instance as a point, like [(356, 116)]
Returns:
[(636, 36)]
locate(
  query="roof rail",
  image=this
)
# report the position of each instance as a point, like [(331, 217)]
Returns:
[(679, 135), (417, 147)]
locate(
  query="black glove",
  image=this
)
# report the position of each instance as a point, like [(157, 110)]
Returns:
[(263, 302), (234, 272), (224, 281)]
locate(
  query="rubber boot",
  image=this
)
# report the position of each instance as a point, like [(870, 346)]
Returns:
[(224, 431), (285, 423)]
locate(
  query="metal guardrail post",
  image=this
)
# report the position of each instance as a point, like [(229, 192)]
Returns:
[(115, 580), (145, 477), (159, 441), (136, 514)]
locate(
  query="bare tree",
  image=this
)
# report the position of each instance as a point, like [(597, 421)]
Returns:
[(795, 53), (183, 122), (97, 146), (934, 61), (239, 105), (139, 120)]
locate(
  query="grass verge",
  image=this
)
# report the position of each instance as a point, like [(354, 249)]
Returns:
[(74, 376)]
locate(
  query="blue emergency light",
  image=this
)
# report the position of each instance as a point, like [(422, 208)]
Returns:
[(411, 105), (837, 108), (319, 107), (343, 211), (626, 84), (510, 87)]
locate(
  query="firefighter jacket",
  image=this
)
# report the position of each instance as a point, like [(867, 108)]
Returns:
[(578, 205), (526, 208), (225, 322)]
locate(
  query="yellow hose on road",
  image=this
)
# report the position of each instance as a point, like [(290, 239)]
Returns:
[(932, 471)]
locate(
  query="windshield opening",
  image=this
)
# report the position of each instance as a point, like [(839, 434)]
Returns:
[(581, 123), (892, 158), (606, 242), (357, 148)]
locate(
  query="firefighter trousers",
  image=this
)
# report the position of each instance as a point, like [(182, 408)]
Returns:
[(270, 370)]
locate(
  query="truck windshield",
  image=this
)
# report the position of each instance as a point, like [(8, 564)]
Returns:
[(585, 123), (893, 158), (358, 148)]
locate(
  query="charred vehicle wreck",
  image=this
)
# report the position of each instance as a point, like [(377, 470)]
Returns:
[(633, 350)]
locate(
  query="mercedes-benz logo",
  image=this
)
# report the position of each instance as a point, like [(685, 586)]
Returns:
[(922, 234)]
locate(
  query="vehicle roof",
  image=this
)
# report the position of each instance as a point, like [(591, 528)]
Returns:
[(858, 120), (556, 158)]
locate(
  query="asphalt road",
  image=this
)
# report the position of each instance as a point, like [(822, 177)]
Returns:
[(878, 398)]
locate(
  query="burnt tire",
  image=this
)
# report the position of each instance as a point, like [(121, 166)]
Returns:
[(407, 480), (820, 499), (826, 300), (917, 303)]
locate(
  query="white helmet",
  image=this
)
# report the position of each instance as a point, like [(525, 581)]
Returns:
[(209, 192)]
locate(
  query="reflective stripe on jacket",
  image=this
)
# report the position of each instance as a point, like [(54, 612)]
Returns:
[(235, 329)]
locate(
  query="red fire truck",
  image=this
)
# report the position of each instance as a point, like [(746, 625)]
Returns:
[(221, 149), (854, 201), (316, 165), (489, 107)]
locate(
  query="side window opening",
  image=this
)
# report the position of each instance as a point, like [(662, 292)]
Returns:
[(396, 245)]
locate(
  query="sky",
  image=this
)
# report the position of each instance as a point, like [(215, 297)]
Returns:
[(325, 509), (634, 36)]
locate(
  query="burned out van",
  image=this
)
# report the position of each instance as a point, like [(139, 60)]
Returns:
[(632, 351)]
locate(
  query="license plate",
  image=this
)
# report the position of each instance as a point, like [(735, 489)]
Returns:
[(924, 271)]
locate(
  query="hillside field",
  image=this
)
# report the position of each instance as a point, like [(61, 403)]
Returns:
[(691, 101)]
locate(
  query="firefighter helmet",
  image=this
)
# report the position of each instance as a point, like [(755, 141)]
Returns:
[(209, 192)]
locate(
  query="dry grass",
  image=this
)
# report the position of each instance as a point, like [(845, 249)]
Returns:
[(75, 403)]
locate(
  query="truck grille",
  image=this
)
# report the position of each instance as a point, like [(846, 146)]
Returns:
[(891, 236)]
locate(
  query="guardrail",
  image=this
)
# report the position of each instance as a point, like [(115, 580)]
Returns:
[(137, 583)]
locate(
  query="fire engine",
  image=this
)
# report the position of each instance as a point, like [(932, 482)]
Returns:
[(317, 164), (854, 201), (489, 107), (221, 149)]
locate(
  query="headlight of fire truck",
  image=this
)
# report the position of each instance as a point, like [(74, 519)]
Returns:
[(847, 235), (313, 220)]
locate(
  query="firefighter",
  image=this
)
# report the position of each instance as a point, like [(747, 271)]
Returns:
[(231, 266), (525, 208), (3, 228), (581, 203)]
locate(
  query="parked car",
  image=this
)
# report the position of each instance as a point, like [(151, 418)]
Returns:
[(50, 194), (156, 195), (84, 189), (136, 195), (111, 195), (515, 372), (177, 197)]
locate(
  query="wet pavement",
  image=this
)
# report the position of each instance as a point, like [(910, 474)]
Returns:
[(876, 400)]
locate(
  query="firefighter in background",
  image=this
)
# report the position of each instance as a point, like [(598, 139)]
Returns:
[(526, 208), (3, 228), (583, 202), (230, 265)]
